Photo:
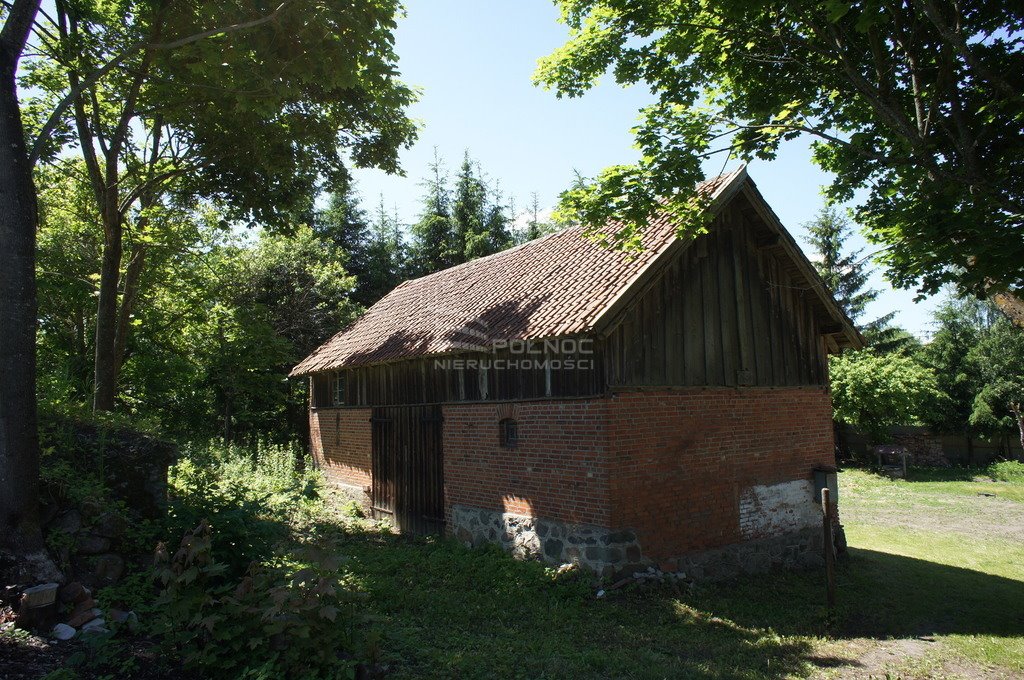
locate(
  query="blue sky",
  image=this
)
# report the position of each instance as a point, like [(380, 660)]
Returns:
[(473, 60)]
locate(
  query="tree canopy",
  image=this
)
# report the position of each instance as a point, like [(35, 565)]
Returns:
[(209, 103), (459, 225), (875, 392), (917, 103), (999, 405)]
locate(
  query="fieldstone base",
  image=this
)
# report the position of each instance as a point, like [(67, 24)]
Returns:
[(602, 550), (351, 492), (610, 552), (798, 550)]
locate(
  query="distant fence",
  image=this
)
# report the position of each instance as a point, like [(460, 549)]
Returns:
[(957, 449)]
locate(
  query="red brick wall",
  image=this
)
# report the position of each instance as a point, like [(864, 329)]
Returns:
[(341, 443), (671, 465), (681, 459), (558, 470)]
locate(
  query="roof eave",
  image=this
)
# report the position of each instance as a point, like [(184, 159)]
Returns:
[(610, 315), (852, 338)]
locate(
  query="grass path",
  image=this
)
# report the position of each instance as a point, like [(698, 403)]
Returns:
[(933, 587)]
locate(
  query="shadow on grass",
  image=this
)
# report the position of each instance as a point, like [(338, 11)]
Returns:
[(444, 611), (926, 474), (955, 473), (894, 595), (880, 595)]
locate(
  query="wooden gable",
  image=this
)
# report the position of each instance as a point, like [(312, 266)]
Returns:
[(737, 306)]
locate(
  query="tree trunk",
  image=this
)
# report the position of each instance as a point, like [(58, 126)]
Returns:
[(105, 370), (1010, 305), (1018, 414), (132, 281), (19, 440)]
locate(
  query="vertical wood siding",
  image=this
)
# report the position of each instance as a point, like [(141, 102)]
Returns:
[(729, 310), (408, 467)]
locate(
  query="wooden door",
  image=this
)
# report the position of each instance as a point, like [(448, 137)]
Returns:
[(408, 470)]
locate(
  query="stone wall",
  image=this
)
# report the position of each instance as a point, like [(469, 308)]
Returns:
[(602, 550), (611, 553), (799, 550), (124, 473)]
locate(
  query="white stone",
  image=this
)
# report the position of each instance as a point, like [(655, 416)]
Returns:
[(40, 596), (96, 626), (62, 631)]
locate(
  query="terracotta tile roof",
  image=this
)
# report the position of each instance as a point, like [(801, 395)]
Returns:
[(553, 286)]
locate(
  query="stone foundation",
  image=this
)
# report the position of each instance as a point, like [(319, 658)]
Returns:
[(799, 550), (608, 553), (352, 492), (597, 548)]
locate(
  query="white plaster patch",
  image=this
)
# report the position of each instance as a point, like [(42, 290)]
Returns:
[(776, 509)]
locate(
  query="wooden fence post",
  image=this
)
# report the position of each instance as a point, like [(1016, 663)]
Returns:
[(830, 548)]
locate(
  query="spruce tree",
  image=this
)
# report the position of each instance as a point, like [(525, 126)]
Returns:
[(497, 223), (846, 274), (470, 211), (384, 256), (344, 224), (533, 227), (434, 244)]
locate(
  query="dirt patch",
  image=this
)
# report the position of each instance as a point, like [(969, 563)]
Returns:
[(905, 659), (30, 657), (976, 516)]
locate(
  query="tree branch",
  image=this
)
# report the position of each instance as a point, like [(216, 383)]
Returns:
[(88, 81), (954, 36), (17, 26)]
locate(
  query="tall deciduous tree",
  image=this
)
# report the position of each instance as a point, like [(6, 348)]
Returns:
[(19, 439), (916, 102), (875, 392), (291, 295), (244, 104)]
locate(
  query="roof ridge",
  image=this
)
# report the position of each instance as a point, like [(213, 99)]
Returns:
[(561, 283), (483, 258)]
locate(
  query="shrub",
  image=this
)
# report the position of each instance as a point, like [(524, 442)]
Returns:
[(271, 623), (875, 392), (1007, 471), (251, 498)]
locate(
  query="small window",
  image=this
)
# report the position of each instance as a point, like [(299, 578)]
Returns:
[(339, 389), (508, 432)]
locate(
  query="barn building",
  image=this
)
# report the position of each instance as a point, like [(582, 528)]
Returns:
[(581, 404)]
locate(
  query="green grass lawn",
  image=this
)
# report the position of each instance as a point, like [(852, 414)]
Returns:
[(933, 587)]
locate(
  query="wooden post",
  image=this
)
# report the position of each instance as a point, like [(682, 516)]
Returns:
[(830, 549)]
